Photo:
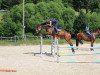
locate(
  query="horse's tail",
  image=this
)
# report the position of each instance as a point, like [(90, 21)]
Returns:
[(77, 41), (73, 36)]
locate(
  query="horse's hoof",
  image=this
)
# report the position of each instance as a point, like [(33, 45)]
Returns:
[(73, 52), (76, 48), (34, 54), (92, 49)]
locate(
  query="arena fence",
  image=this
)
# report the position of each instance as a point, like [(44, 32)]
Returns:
[(33, 40)]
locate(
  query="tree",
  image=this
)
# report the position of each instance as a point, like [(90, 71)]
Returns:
[(67, 3), (12, 21), (68, 16), (79, 23), (30, 11), (0, 2), (89, 5), (93, 20), (95, 6), (55, 10), (7, 4), (42, 8)]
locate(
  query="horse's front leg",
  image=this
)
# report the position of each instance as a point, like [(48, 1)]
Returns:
[(73, 51), (70, 43), (92, 49)]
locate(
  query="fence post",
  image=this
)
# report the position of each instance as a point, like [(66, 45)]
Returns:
[(15, 38), (41, 43), (25, 37), (1, 37)]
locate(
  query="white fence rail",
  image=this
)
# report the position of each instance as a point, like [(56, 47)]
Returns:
[(27, 37)]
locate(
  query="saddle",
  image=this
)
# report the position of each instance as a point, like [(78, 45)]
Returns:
[(88, 35), (56, 30)]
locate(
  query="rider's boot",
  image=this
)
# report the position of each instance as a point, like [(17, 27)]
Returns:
[(89, 36), (56, 31), (81, 42)]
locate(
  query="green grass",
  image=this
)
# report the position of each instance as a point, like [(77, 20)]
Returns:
[(97, 40), (36, 42)]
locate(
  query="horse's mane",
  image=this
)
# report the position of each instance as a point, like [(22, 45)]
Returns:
[(97, 29), (43, 23)]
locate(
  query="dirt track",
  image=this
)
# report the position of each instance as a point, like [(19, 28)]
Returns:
[(22, 59)]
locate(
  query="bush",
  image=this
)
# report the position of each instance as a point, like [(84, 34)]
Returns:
[(68, 16), (94, 20)]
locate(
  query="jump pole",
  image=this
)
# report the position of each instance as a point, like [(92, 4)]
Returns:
[(55, 48), (52, 45), (57, 45), (95, 47)]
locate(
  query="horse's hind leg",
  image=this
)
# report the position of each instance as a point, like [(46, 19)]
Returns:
[(70, 43), (68, 39), (92, 46), (77, 43)]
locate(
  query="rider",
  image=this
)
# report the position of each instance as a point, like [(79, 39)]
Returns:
[(54, 23), (87, 30)]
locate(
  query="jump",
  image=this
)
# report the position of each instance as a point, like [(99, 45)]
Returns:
[(59, 34)]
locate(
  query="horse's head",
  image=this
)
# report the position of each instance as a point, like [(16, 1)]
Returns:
[(98, 30), (38, 28)]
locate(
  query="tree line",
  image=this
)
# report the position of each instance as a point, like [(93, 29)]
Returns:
[(71, 14)]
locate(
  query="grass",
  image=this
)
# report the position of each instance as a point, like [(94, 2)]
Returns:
[(36, 42)]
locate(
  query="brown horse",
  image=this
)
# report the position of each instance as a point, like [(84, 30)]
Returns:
[(82, 36), (61, 34)]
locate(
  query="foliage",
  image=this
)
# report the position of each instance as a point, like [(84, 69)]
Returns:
[(29, 17), (92, 5), (36, 12), (94, 20), (80, 22), (68, 17), (12, 21), (91, 19), (7, 4), (67, 3)]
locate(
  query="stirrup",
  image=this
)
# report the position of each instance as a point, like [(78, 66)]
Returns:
[(56, 32)]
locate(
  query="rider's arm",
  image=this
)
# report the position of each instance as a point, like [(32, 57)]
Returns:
[(50, 23)]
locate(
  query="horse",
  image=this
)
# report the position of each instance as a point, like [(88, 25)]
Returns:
[(61, 34), (83, 36)]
